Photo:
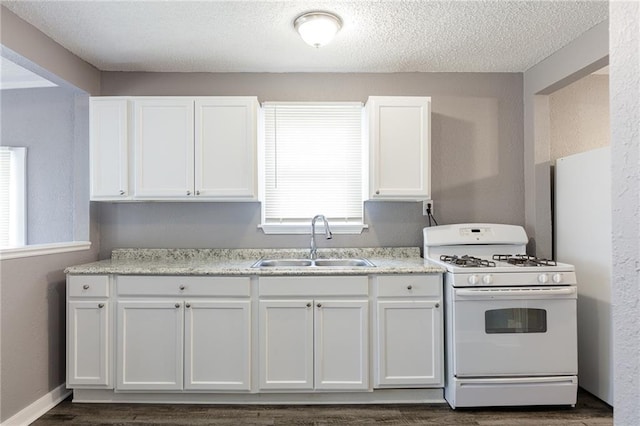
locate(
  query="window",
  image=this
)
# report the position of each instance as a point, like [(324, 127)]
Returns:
[(312, 164), (12, 196)]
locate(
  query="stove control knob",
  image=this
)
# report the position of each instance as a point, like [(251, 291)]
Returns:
[(487, 279), (557, 278), (543, 278), (473, 279)]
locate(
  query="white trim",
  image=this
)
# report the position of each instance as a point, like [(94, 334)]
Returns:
[(43, 249), (33, 411), (305, 228), (377, 396)]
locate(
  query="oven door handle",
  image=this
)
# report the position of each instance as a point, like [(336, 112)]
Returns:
[(495, 293)]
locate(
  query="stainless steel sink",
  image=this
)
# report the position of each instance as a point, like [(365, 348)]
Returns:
[(343, 262), (307, 263), (275, 263)]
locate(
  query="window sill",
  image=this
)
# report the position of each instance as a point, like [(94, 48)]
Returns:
[(43, 249), (305, 228)]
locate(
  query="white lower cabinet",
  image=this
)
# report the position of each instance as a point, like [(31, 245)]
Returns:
[(88, 332), (150, 335), (314, 343), (286, 344), (409, 332), (217, 345), (190, 343), (271, 334)]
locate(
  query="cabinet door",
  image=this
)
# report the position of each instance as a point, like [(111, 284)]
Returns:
[(286, 344), (225, 147), (217, 345), (341, 345), (88, 349), (149, 345), (163, 148), (409, 337), (400, 147), (108, 123)]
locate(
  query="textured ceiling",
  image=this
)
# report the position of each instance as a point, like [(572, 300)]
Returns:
[(258, 36)]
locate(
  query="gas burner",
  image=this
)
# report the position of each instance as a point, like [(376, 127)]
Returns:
[(467, 261), (524, 260)]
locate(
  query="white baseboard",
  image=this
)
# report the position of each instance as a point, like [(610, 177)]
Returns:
[(32, 412)]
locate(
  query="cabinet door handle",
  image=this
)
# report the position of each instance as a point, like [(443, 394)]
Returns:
[(121, 192), (86, 286), (182, 287), (100, 305), (188, 192), (437, 305), (409, 287), (197, 192), (319, 305), (188, 305), (177, 305), (309, 305), (378, 192)]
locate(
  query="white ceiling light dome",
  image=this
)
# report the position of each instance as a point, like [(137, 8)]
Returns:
[(317, 28)]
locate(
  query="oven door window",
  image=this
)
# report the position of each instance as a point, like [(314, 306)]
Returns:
[(515, 320)]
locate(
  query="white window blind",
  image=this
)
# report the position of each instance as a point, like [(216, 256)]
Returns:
[(12, 196), (313, 162)]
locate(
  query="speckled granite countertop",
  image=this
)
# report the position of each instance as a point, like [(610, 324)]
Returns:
[(403, 260)]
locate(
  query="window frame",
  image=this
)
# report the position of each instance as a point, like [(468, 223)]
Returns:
[(17, 197), (304, 226)]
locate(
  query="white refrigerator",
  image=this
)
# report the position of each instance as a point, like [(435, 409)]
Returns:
[(582, 227)]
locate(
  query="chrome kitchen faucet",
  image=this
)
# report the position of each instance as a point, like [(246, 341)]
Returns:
[(313, 254)]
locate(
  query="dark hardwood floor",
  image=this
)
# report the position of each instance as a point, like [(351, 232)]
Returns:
[(589, 411)]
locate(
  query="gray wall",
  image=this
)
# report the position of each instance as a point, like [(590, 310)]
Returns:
[(581, 57), (43, 121), (625, 176), (477, 169), (579, 116), (32, 291)]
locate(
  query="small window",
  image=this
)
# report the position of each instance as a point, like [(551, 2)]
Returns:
[(12, 196), (312, 164)]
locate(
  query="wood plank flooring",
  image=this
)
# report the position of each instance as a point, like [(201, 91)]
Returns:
[(589, 411)]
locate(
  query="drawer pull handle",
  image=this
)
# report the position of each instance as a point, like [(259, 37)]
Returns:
[(188, 305), (182, 287), (409, 287), (309, 305), (86, 286), (437, 305), (319, 305), (177, 305), (100, 305)]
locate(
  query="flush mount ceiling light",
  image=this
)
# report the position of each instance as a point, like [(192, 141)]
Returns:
[(317, 28)]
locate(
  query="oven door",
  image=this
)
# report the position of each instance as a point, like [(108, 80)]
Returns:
[(514, 331)]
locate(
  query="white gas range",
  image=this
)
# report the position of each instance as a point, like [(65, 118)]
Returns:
[(510, 324)]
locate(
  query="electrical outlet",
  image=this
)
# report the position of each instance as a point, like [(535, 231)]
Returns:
[(426, 205)]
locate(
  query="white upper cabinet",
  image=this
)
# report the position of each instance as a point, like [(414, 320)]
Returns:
[(225, 147), (163, 148), (399, 147), (174, 148), (109, 144)]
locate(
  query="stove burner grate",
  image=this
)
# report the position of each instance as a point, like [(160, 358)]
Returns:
[(467, 261), (523, 260)]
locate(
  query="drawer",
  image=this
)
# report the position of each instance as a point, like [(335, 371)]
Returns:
[(129, 285), (314, 286), (410, 286), (88, 285)]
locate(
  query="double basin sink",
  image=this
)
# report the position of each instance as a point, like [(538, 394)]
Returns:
[(308, 263)]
